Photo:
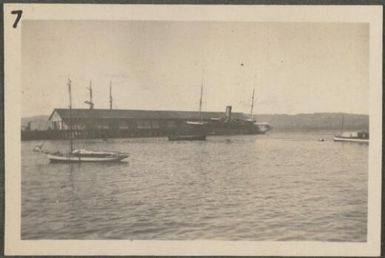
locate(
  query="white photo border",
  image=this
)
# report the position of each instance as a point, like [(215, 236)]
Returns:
[(371, 15)]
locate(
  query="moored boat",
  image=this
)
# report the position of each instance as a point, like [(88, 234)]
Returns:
[(82, 155), (232, 126), (361, 137)]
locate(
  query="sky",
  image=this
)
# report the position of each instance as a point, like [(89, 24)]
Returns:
[(160, 65)]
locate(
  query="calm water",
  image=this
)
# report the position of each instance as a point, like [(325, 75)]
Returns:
[(268, 187)]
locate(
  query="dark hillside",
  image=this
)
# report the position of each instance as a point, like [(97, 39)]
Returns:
[(317, 121)]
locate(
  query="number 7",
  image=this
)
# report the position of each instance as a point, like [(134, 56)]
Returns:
[(18, 17)]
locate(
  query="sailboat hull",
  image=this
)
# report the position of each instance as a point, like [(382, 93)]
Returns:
[(77, 159)]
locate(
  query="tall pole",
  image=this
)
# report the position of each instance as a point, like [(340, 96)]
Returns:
[(342, 124), (91, 93), (200, 102), (70, 109), (89, 102), (110, 95), (252, 106)]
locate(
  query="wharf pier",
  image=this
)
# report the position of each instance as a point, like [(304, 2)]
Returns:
[(107, 123)]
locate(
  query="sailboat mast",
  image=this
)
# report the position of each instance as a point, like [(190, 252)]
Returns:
[(200, 102), (110, 95), (90, 102), (342, 123), (70, 109), (90, 91), (252, 105)]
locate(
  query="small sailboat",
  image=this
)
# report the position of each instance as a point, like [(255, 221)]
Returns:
[(359, 136), (195, 130), (82, 155)]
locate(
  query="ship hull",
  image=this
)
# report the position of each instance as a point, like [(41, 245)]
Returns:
[(236, 128), (187, 138)]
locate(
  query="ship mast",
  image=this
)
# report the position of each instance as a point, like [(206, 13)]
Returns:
[(70, 110), (200, 102), (110, 95), (252, 106), (90, 89), (342, 124), (90, 102)]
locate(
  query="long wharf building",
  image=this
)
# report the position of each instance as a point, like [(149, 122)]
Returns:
[(116, 123)]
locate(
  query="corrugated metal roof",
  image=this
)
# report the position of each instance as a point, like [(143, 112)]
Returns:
[(138, 114)]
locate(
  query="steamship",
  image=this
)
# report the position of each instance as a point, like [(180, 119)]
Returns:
[(228, 125)]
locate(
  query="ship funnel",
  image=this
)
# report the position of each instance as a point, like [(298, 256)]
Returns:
[(228, 113)]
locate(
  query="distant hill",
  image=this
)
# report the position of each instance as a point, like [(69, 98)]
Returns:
[(37, 122), (316, 121), (279, 122)]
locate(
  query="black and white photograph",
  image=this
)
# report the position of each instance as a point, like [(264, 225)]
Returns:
[(193, 128)]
